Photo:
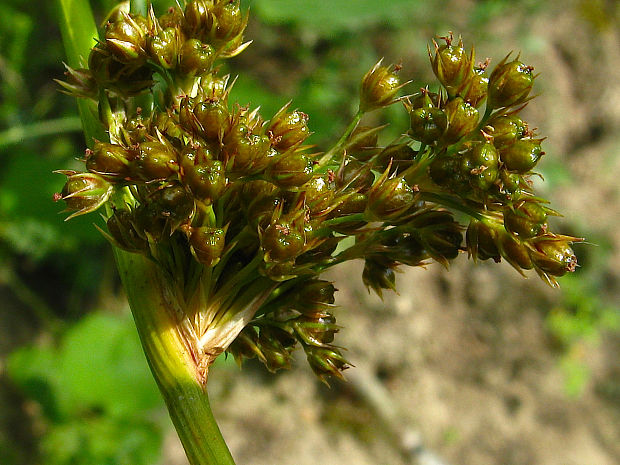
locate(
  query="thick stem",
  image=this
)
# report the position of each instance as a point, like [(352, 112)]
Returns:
[(171, 360)]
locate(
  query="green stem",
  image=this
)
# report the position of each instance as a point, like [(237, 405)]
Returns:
[(325, 159), (172, 364)]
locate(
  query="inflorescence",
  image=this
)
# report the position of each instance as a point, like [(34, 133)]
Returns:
[(238, 211)]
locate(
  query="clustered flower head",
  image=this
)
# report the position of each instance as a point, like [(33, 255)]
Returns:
[(243, 217)]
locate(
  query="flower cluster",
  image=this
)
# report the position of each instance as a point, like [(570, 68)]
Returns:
[(243, 218)]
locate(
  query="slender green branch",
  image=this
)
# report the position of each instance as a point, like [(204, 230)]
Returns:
[(18, 134), (325, 159)]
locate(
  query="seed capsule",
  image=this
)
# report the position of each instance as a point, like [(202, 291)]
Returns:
[(83, 192), (126, 38), (510, 84), (121, 229), (213, 118), (481, 163), (289, 130), (292, 169), (245, 149), (506, 130), (196, 57), (355, 175), (378, 275), (462, 119), (428, 124), (326, 361), (379, 87), (451, 64), (474, 89), (281, 242), (229, 19), (399, 155), (198, 17), (554, 256), (318, 331), (206, 180), (109, 160), (522, 155), (164, 47), (515, 252), (389, 198), (527, 220), (207, 244), (156, 161)]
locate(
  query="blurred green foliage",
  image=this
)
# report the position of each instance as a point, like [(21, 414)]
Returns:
[(95, 392), (97, 401)]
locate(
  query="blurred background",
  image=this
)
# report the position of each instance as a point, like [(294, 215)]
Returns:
[(471, 366)]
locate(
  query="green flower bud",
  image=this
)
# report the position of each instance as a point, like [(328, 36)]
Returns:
[(109, 160), (389, 198), (428, 124), (378, 275), (462, 120), (482, 162), (527, 219), (83, 192), (288, 129), (124, 234), (553, 255), (522, 156), (244, 151), (196, 57), (510, 84), (164, 47), (207, 244), (451, 64), (292, 169), (126, 38), (156, 161), (506, 129), (326, 361), (281, 242), (379, 87)]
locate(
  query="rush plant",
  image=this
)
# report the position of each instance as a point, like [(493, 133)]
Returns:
[(222, 220)]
